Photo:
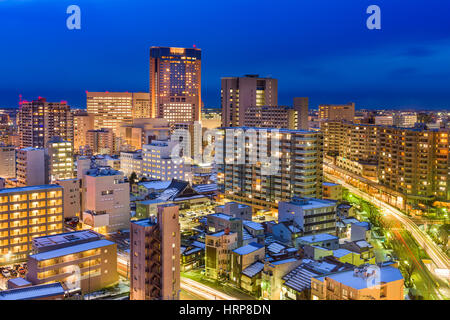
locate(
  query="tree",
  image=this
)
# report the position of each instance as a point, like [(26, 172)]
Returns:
[(133, 178), (408, 268)]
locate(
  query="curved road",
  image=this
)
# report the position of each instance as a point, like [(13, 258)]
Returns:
[(432, 249)]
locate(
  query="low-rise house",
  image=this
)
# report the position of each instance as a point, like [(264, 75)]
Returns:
[(243, 257), (218, 247), (297, 283), (272, 277), (255, 229), (324, 240), (369, 282), (236, 210), (360, 231), (362, 248), (192, 256), (286, 232)]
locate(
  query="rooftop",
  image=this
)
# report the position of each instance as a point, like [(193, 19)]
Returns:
[(311, 203), (30, 188), (253, 269), (253, 225), (66, 237), (71, 250), (317, 238), (33, 292), (353, 280), (251, 247)]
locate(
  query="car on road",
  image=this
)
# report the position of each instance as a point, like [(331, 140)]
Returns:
[(22, 270), (6, 273)]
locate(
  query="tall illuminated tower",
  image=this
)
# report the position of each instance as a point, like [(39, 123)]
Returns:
[(175, 84)]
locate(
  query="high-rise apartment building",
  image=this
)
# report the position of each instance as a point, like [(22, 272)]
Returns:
[(7, 162), (175, 84), (39, 121), (101, 141), (414, 162), (106, 196), (269, 165), (157, 162), (111, 109), (60, 159), (301, 106), (405, 119), (355, 146), (280, 117), (240, 93), (26, 213), (155, 256), (32, 167), (82, 123), (337, 112)]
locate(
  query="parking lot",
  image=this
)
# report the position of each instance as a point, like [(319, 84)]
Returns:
[(11, 271)]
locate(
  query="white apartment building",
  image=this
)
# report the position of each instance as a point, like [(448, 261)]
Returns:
[(31, 168), (131, 162), (158, 164), (60, 159), (7, 162), (106, 197), (384, 120)]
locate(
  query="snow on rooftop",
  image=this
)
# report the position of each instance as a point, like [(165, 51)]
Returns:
[(253, 269), (317, 238), (33, 292), (251, 247), (362, 244), (284, 261), (70, 250), (339, 253), (253, 225), (348, 278), (157, 185), (275, 247)]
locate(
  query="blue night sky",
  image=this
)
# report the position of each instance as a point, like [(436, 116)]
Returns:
[(316, 48)]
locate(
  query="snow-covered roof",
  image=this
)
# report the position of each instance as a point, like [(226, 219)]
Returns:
[(318, 238), (71, 249), (299, 279), (363, 244), (253, 269), (251, 247), (253, 225), (201, 188), (156, 185), (33, 292), (339, 253), (349, 278), (284, 261), (275, 247)]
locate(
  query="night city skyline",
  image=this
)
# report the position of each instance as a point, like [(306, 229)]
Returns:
[(320, 50), (221, 155)]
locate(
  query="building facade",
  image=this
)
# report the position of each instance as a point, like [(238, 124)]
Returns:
[(175, 84), (240, 93), (39, 121), (155, 256), (269, 165), (26, 213)]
